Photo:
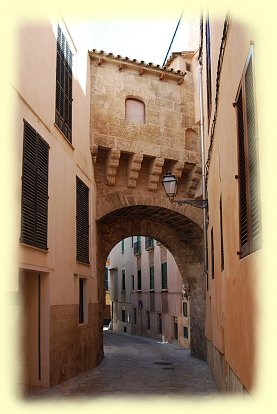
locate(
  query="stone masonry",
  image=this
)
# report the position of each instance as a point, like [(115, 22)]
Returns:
[(131, 158)]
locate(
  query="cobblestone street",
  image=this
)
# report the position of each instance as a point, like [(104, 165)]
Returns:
[(137, 366)]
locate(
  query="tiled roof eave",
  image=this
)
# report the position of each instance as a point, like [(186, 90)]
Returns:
[(127, 62)]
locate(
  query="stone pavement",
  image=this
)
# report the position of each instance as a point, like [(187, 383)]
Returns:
[(137, 366)]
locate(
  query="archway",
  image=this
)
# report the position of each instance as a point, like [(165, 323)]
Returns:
[(179, 234)]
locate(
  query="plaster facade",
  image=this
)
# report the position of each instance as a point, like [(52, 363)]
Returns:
[(141, 304), (231, 303)]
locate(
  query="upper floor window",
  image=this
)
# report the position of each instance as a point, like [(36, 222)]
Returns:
[(164, 275), (249, 214), (135, 110), (34, 202), (63, 117)]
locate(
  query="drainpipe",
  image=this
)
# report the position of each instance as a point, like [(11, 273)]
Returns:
[(203, 167)]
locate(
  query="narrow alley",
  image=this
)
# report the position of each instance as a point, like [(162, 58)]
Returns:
[(133, 366)]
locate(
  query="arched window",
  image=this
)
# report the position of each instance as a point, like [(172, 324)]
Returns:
[(135, 110)]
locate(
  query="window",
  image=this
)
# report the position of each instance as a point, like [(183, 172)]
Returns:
[(135, 111), (149, 243), (81, 300), (208, 69), (137, 247), (34, 201), (186, 332), (123, 314), (63, 116), (164, 275), (122, 246), (175, 320), (82, 221), (123, 285), (152, 280), (249, 214), (139, 279), (212, 251), (221, 235), (185, 309), (106, 278), (160, 323), (133, 282), (148, 319)]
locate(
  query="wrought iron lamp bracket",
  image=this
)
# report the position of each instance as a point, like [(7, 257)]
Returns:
[(192, 202)]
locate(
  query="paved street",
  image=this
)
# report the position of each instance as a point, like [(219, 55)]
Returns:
[(137, 366)]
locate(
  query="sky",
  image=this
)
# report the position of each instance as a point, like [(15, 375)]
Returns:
[(144, 39)]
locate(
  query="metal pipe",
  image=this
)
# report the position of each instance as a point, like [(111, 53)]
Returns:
[(203, 167)]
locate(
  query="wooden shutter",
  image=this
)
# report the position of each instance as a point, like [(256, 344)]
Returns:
[(164, 275), (82, 221), (212, 252), (64, 86), (250, 221), (221, 235), (34, 211)]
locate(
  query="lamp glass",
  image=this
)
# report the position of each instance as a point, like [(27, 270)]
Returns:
[(170, 185)]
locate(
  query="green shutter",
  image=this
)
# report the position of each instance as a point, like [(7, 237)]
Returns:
[(164, 275)]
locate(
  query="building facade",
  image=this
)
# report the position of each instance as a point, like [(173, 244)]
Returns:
[(60, 317), (227, 54), (148, 295)]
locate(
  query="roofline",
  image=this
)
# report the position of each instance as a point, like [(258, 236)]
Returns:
[(125, 62)]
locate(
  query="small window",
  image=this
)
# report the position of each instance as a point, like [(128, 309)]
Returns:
[(148, 319), (186, 332), (152, 280), (133, 282), (212, 251), (175, 328), (188, 67), (122, 246), (135, 111), (139, 279), (82, 299), (185, 309), (123, 285), (160, 323), (164, 275), (123, 314)]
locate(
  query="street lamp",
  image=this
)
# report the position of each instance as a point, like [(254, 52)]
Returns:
[(170, 185)]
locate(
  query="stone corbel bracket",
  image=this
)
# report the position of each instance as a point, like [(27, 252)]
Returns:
[(112, 163), (178, 169), (134, 169), (154, 174), (94, 153)]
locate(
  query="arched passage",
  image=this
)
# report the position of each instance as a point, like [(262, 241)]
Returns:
[(182, 237)]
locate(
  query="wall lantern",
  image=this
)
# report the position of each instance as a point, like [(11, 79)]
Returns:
[(170, 185)]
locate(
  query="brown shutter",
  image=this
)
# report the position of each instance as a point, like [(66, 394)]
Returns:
[(244, 237), (212, 251), (252, 159), (34, 210), (82, 221), (64, 86)]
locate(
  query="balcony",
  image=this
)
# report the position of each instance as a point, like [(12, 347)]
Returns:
[(149, 243), (137, 248)]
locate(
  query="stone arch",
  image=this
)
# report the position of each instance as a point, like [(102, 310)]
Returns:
[(178, 232)]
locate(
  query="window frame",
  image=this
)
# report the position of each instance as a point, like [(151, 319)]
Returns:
[(248, 160)]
